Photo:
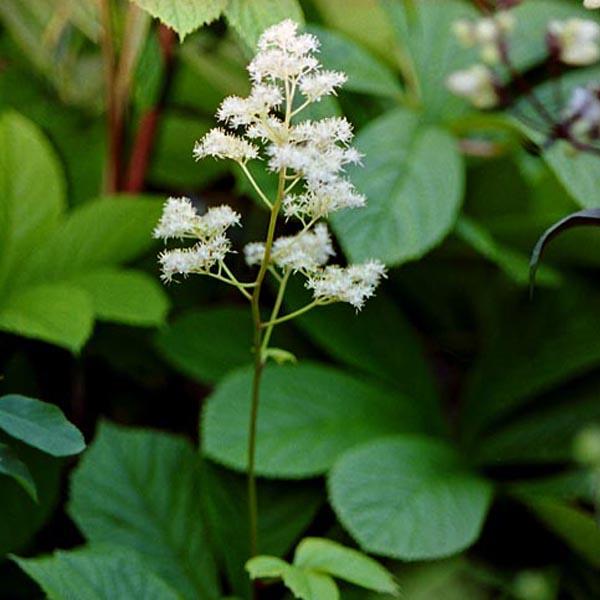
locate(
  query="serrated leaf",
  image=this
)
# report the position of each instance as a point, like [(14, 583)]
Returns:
[(326, 556), (12, 466), (125, 296), (96, 574), (366, 74), (406, 165), (208, 343), (39, 424), (251, 17), (309, 414), (58, 313), (32, 190), (184, 17), (409, 497), (140, 490)]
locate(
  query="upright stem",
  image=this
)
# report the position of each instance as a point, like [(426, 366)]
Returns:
[(259, 364)]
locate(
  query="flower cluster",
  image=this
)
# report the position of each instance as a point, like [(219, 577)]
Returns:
[(311, 158), (573, 42), (180, 220)]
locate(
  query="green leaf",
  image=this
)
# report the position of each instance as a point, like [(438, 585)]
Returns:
[(577, 529), (366, 74), (409, 498), (380, 342), (125, 296), (310, 585), (209, 343), (39, 424), (329, 557), (140, 490), (22, 517), (250, 18), (96, 574), (514, 264), (266, 567), (184, 17), (286, 510), (521, 360), (58, 313), (406, 165), (430, 51), (32, 191), (12, 466), (309, 414), (104, 232)]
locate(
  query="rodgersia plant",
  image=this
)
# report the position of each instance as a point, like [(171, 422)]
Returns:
[(309, 158)]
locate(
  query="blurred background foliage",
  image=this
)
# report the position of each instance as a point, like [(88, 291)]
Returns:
[(453, 363)]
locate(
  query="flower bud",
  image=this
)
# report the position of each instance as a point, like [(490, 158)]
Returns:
[(577, 41)]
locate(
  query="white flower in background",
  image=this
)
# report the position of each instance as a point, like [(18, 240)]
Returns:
[(583, 112), (220, 144), (352, 284), (304, 252), (577, 40), (485, 33), (591, 4), (476, 84)]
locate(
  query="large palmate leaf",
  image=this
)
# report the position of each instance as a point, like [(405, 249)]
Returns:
[(536, 346), (209, 343), (184, 17), (286, 510), (366, 74), (59, 313), (408, 497), (96, 574), (251, 17), (125, 296), (381, 342), (140, 490), (39, 424), (406, 167), (32, 191), (309, 414)]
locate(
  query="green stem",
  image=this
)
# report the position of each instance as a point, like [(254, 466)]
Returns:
[(275, 312), (294, 314), (256, 186)]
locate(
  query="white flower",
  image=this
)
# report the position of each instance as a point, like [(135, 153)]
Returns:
[(577, 40), (220, 144), (197, 259), (591, 4), (178, 219), (323, 198), (352, 284), (283, 54), (476, 84), (238, 111), (323, 133), (583, 112), (322, 83), (304, 252), (486, 33)]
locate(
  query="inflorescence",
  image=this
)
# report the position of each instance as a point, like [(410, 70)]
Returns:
[(310, 157)]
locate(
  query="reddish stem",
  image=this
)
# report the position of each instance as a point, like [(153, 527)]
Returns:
[(146, 133)]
